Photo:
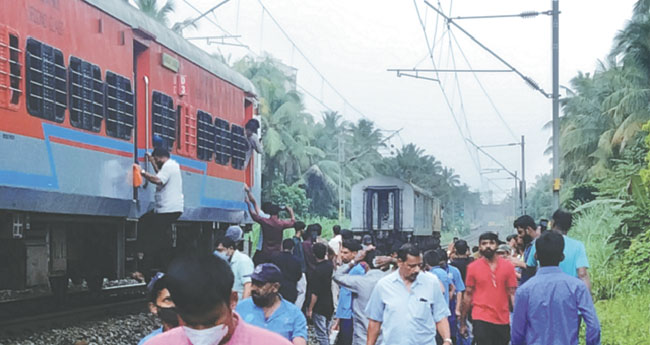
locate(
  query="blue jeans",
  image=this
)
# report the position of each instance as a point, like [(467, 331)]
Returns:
[(321, 328)]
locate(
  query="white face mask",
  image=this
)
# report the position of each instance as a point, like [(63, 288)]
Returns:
[(208, 336)]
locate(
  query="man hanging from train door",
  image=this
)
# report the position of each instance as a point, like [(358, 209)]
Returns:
[(156, 225)]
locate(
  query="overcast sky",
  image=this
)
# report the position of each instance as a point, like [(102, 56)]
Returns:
[(353, 42)]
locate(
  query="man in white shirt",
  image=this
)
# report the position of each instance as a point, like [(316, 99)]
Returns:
[(156, 225)]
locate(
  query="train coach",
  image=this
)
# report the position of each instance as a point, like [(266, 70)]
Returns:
[(395, 211), (85, 87)]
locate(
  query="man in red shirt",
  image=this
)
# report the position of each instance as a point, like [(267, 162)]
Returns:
[(490, 292), (272, 227)]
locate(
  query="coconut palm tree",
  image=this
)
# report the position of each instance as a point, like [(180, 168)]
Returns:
[(153, 10)]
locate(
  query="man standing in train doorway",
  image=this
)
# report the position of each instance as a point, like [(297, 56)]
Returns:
[(155, 226)]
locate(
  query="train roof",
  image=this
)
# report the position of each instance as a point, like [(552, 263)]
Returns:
[(131, 16), (377, 181)]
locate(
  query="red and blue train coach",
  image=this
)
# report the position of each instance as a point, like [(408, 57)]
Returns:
[(85, 86)]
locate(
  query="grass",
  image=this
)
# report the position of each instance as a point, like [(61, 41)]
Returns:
[(326, 223), (624, 319), (593, 227)]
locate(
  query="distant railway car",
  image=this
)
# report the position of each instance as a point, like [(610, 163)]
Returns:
[(395, 211), (85, 85)]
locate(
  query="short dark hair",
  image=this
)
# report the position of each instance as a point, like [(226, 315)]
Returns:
[(270, 208), (159, 285), (226, 242), (336, 229), (346, 234), (160, 152), (562, 220), (510, 237), (489, 236), (319, 250), (474, 249), (314, 230), (299, 225), (461, 247), (287, 244), (442, 254), (253, 125), (199, 284), (524, 222), (431, 258), (550, 247), (407, 249), (351, 245)]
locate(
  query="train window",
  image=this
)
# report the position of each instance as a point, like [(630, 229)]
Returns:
[(14, 68), (46, 81), (10, 70), (86, 95), (119, 106), (222, 147), (164, 118), (239, 146), (205, 136)]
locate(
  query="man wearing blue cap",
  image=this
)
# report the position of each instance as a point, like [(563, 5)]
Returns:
[(267, 309), (241, 265)]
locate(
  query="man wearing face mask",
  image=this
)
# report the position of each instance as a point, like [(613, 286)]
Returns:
[(201, 287), (240, 264), (267, 309), (407, 305), (490, 292), (161, 305), (156, 236)]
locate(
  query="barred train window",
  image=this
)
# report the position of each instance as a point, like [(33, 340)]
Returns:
[(164, 118), (222, 141), (119, 106), (46, 81), (205, 136), (239, 147), (15, 68), (86, 95)]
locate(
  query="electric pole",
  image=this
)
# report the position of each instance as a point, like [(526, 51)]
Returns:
[(522, 189), (556, 104)]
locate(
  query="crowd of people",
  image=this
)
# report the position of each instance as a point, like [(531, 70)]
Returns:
[(531, 288)]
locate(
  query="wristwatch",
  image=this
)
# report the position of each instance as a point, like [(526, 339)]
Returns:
[(448, 340)]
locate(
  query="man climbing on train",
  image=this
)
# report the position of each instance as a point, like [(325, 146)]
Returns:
[(155, 239)]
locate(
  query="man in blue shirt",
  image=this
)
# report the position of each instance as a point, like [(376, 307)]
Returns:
[(547, 307), (267, 309), (575, 262), (349, 250), (408, 306), (432, 261)]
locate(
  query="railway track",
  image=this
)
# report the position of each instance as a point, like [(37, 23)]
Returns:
[(45, 312)]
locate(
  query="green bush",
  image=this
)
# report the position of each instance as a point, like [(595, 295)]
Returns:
[(633, 272), (624, 319), (293, 196), (594, 226)]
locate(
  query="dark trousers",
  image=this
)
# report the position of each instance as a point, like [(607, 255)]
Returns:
[(486, 333), (345, 332), (155, 241)]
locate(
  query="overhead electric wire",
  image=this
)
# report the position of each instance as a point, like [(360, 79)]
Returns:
[(480, 84), (303, 89), (286, 35), (477, 164)]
